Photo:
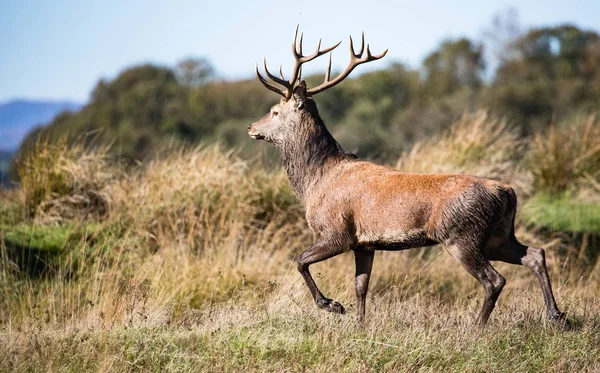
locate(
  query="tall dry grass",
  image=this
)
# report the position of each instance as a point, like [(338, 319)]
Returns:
[(189, 228), (65, 181), (191, 267), (567, 159), (477, 145)]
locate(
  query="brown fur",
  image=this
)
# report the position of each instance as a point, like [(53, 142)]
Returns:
[(354, 205)]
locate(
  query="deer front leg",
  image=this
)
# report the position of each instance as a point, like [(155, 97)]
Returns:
[(320, 251), (364, 264)]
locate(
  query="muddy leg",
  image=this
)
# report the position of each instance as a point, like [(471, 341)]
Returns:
[(318, 252), (480, 268), (364, 264), (535, 259)]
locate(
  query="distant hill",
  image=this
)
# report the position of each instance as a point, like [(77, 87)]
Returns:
[(18, 117)]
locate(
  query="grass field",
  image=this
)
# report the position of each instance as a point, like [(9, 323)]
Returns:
[(187, 264)]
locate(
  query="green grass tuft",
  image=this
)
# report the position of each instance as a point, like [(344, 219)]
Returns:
[(562, 214), (52, 239)]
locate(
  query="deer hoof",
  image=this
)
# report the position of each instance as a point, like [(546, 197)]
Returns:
[(330, 305), (561, 320)]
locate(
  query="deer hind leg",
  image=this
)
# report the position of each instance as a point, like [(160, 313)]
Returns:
[(364, 264), (479, 267), (318, 252), (511, 251)]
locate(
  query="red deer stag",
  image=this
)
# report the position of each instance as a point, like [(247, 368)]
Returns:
[(361, 206)]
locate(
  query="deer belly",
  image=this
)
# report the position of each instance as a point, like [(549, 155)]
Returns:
[(395, 240)]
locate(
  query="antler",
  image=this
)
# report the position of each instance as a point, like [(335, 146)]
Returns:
[(300, 59), (297, 72), (355, 60)]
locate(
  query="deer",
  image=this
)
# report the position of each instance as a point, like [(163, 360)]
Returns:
[(360, 206)]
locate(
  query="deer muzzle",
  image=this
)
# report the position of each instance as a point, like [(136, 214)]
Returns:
[(255, 135)]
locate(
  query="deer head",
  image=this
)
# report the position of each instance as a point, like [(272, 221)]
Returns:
[(286, 119), (291, 117)]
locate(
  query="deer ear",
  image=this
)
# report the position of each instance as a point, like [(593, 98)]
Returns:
[(300, 94)]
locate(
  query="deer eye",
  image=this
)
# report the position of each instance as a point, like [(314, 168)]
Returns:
[(275, 113)]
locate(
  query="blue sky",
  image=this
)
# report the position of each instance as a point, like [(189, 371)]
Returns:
[(59, 49)]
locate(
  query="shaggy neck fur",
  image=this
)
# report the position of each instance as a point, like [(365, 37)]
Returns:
[(311, 152)]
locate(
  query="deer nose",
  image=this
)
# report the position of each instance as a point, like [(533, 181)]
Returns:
[(249, 127)]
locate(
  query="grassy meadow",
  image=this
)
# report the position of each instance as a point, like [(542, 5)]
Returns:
[(186, 263)]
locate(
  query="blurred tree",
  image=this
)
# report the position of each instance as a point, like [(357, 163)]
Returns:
[(500, 38), (333, 103), (194, 72), (554, 71), (397, 85), (222, 101), (455, 65), (134, 111)]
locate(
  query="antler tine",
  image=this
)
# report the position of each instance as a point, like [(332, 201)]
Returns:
[(328, 72), (301, 59), (275, 78), (355, 60), (281, 72), (264, 82), (362, 44), (381, 55), (294, 42), (352, 53), (322, 52), (297, 49)]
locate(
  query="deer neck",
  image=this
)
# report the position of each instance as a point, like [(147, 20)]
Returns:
[(309, 156)]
